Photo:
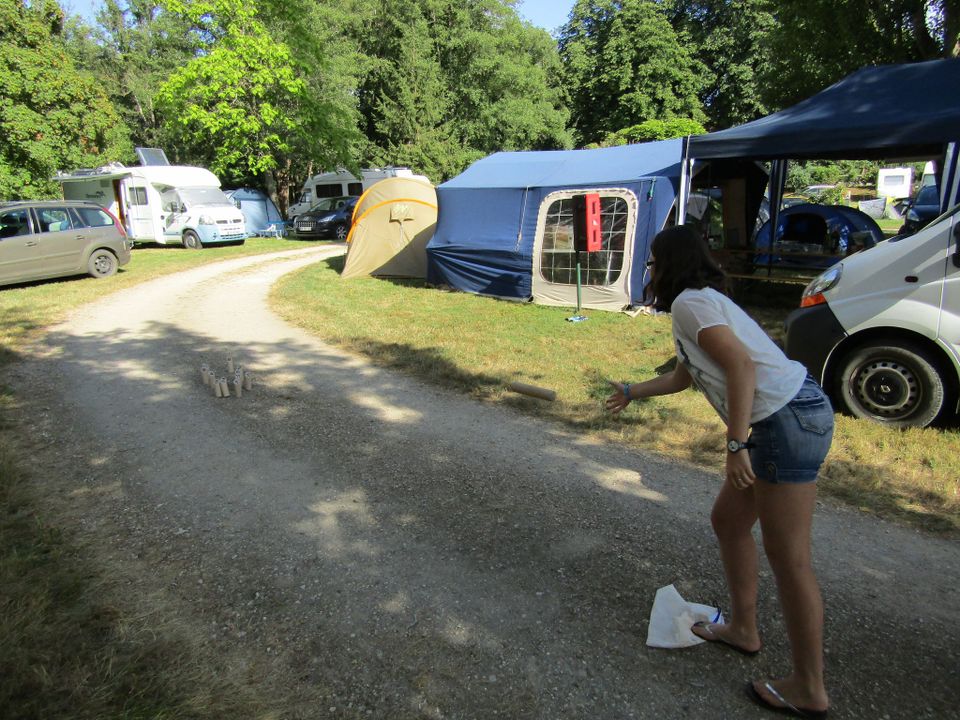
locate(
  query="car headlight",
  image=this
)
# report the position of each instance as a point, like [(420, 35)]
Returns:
[(327, 218), (206, 220), (813, 293)]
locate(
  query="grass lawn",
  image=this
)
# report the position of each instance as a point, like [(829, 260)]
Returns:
[(478, 345)]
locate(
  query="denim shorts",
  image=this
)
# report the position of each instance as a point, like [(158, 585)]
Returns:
[(791, 444)]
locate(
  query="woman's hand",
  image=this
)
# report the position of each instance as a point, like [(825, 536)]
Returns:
[(617, 401), (740, 470)]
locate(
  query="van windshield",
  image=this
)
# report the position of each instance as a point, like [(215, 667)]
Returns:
[(200, 196)]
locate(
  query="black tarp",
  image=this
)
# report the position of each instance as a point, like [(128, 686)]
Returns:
[(885, 112)]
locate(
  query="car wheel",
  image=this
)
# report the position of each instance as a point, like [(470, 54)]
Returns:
[(191, 240), (102, 263), (341, 232), (897, 384)]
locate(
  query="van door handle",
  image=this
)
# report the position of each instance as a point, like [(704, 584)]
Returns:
[(32, 243), (956, 243)]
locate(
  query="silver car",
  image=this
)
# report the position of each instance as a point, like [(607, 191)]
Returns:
[(42, 239)]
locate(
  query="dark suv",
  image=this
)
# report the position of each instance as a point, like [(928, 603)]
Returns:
[(42, 239), (921, 210), (329, 218)]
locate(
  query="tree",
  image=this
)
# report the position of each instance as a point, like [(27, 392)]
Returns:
[(652, 130), (245, 102), (625, 64), (135, 47), (730, 37), (817, 42), (52, 116), (448, 82)]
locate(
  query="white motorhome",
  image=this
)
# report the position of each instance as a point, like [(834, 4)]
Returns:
[(161, 203), (881, 329), (343, 183)]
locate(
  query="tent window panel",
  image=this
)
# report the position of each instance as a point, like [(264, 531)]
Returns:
[(558, 260)]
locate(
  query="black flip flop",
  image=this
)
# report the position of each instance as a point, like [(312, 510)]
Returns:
[(786, 708), (717, 639)]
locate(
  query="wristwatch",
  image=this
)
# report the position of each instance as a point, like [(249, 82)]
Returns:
[(736, 446)]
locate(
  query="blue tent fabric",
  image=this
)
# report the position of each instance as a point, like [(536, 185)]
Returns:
[(488, 214), (830, 228), (883, 112), (259, 211)]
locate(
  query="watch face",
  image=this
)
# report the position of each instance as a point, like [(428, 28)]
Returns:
[(733, 445)]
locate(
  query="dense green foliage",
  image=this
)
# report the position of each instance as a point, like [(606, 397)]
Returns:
[(245, 102), (625, 64), (729, 38), (133, 49), (653, 130), (53, 116), (816, 42), (451, 81)]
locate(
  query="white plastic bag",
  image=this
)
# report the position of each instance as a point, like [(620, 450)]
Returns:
[(671, 618)]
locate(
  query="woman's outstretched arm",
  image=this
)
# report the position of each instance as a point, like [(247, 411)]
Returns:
[(672, 382)]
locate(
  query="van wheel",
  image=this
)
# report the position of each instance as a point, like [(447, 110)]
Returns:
[(341, 232), (191, 240), (897, 384), (102, 263)]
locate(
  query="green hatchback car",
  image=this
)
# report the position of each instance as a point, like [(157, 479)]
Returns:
[(42, 239)]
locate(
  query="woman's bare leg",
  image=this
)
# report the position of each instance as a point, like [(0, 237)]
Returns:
[(786, 519), (734, 514)]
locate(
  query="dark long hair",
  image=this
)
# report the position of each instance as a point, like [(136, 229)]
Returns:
[(682, 261)]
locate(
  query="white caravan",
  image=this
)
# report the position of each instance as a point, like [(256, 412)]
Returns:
[(161, 203), (341, 184), (881, 328)]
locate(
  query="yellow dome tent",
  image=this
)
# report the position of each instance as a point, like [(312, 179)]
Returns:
[(392, 223)]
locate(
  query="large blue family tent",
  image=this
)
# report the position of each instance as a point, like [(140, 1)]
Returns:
[(505, 225), (259, 212)]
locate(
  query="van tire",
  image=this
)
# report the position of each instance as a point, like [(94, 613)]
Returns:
[(896, 384), (191, 240), (102, 263)]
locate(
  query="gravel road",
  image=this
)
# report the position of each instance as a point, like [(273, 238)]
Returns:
[(396, 550)]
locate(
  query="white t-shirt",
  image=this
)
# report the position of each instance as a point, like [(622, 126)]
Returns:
[(778, 378)]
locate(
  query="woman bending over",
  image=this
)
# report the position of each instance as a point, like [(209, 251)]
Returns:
[(779, 429)]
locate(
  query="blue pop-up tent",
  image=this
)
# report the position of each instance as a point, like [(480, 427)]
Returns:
[(505, 225), (259, 212)]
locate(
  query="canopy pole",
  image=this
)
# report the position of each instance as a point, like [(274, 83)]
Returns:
[(778, 178), (686, 180)]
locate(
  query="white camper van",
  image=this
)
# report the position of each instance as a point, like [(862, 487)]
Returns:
[(161, 203), (342, 183), (881, 329)]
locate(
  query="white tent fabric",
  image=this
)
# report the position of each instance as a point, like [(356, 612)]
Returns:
[(392, 223)]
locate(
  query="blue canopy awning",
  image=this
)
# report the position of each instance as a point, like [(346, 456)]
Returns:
[(885, 112)]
